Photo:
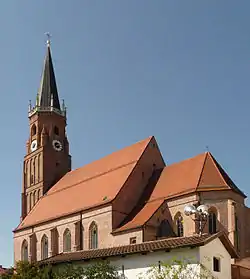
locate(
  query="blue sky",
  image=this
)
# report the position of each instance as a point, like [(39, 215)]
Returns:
[(178, 70)]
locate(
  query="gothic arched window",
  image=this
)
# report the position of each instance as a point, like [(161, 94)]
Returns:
[(38, 194), (82, 239), (212, 221), (56, 130), (31, 200), (44, 247), (34, 198), (33, 130), (179, 229), (67, 241), (38, 167), (24, 251), (54, 241), (31, 172), (165, 229), (93, 236), (34, 169)]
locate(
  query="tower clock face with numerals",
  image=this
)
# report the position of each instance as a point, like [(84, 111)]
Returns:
[(33, 145), (57, 145)]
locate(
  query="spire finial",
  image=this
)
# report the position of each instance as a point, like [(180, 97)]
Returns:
[(48, 38)]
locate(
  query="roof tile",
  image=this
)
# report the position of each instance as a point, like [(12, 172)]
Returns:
[(168, 243), (199, 173), (104, 177)]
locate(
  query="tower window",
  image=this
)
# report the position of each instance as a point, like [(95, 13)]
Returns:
[(33, 130), (56, 130), (32, 179)]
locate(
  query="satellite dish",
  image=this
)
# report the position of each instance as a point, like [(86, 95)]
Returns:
[(189, 210)]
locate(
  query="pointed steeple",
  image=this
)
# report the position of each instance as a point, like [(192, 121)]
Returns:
[(47, 96)]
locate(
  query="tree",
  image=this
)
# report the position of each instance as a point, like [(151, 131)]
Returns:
[(98, 270), (178, 269), (101, 270), (68, 271)]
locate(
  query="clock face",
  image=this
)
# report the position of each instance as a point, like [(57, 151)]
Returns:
[(33, 145), (57, 145)]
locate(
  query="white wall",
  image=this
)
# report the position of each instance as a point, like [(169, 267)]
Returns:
[(216, 249), (138, 264)]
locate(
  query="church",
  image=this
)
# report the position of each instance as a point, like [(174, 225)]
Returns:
[(126, 198)]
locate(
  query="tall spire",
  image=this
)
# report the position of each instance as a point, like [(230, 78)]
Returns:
[(47, 96)]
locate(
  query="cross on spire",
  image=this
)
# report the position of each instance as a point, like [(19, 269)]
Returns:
[(48, 38)]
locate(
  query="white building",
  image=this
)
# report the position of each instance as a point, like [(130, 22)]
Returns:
[(213, 252)]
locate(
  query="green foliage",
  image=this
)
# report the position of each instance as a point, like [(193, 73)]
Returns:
[(99, 270), (68, 271), (8, 274), (178, 269), (174, 269)]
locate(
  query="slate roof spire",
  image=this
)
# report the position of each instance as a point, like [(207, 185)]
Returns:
[(47, 96)]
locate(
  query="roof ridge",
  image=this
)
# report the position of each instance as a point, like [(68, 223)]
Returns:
[(138, 159), (202, 169), (213, 161), (90, 178), (231, 185), (185, 160), (148, 139)]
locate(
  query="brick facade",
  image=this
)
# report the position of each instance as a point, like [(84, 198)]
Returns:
[(140, 179)]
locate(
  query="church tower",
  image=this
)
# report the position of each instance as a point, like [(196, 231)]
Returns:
[(47, 156)]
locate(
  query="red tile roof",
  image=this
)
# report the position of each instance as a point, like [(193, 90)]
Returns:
[(151, 246), (200, 173), (91, 185), (105, 178)]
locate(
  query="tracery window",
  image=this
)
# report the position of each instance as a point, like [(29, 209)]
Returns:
[(67, 241), (93, 236), (212, 221), (24, 252), (44, 247), (179, 229)]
